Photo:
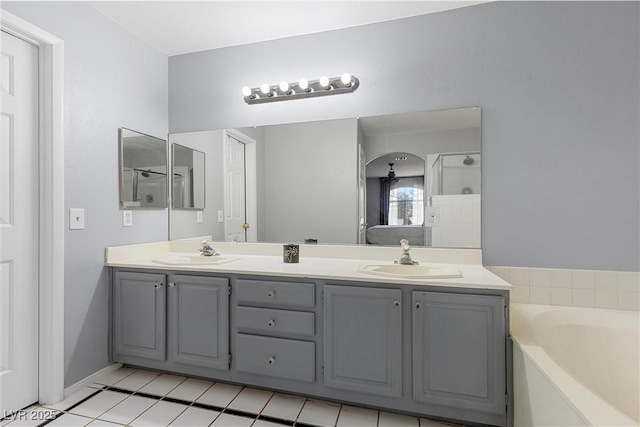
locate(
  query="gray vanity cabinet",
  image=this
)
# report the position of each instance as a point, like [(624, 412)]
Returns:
[(363, 339), (459, 351), (199, 321), (139, 315)]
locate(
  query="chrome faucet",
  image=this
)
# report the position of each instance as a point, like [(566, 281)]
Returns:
[(405, 258), (207, 250)]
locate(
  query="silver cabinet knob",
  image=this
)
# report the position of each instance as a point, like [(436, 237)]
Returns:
[(271, 360), (271, 294), (271, 323), (396, 303), (157, 285), (171, 285), (418, 305)]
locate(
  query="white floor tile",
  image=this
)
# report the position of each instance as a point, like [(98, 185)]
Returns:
[(389, 419), (73, 399), (162, 385), (284, 406), (263, 423), (102, 423), (99, 404), (70, 420), (220, 394), (319, 413), (353, 416), (113, 377), (137, 380), (226, 420), (190, 389), (195, 417), (160, 414), (251, 400), (128, 410)]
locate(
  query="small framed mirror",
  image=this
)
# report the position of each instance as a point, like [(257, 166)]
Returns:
[(143, 170), (187, 178)]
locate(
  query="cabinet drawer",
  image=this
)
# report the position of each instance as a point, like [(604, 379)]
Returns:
[(275, 322), (275, 293), (275, 357)]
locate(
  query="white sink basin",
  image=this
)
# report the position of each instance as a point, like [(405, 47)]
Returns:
[(412, 271), (186, 259)]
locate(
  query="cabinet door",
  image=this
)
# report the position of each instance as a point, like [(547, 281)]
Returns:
[(459, 351), (139, 315), (199, 321), (363, 339)]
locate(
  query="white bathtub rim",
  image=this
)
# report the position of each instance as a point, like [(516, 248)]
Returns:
[(592, 409)]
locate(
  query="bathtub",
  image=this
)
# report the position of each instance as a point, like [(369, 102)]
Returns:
[(575, 366)]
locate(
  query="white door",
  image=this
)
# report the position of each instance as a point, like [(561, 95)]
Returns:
[(18, 223), (234, 190), (362, 196)]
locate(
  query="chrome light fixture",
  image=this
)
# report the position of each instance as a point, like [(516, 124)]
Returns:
[(302, 89)]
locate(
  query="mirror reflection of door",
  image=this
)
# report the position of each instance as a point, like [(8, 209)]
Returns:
[(235, 223)]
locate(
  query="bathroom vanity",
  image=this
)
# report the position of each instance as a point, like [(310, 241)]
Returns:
[(428, 347)]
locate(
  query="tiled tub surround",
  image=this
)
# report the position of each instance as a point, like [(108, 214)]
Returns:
[(574, 288)]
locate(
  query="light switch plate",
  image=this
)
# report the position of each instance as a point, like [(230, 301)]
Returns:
[(76, 219), (220, 216), (199, 217), (127, 218), (432, 216)]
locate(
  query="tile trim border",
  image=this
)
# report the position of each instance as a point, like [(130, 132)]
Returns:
[(616, 290)]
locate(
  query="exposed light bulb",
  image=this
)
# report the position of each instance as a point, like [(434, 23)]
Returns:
[(346, 79), (284, 86), (304, 84), (246, 91), (264, 88), (324, 82)]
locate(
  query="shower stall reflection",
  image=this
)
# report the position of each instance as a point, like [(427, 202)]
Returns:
[(455, 194)]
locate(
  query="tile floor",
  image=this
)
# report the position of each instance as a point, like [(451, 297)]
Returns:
[(136, 397)]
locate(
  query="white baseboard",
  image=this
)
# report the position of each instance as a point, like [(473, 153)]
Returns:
[(90, 379)]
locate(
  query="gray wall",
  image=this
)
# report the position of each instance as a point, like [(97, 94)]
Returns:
[(559, 90), (112, 80), (306, 168), (183, 221)]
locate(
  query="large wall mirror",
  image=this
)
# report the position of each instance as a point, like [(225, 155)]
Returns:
[(368, 180), (143, 170), (187, 178)]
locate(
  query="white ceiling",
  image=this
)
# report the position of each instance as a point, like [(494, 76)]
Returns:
[(177, 27)]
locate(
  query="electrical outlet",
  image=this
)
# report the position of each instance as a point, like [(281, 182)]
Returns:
[(199, 217), (127, 218), (76, 219), (432, 216)]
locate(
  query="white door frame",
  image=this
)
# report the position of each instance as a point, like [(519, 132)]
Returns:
[(51, 200), (250, 182)]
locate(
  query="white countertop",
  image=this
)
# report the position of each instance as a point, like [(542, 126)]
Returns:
[(316, 262)]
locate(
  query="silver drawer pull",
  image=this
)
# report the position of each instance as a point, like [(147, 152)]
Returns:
[(396, 303), (271, 294), (171, 284), (271, 323), (418, 305), (271, 360), (157, 285)]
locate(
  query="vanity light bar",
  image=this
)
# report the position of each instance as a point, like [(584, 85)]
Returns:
[(302, 89)]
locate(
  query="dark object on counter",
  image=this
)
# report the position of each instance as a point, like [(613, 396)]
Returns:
[(290, 253), (310, 241)]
